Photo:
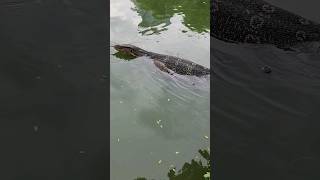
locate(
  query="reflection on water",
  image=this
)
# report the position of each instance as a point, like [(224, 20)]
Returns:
[(157, 120), (156, 15)]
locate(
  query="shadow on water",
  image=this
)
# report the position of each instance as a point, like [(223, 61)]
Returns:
[(156, 15)]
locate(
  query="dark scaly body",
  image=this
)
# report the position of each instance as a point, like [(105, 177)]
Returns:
[(180, 66), (258, 22), (175, 64)]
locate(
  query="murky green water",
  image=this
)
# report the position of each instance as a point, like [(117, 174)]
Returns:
[(158, 120)]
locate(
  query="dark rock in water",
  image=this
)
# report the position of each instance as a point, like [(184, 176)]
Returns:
[(267, 69)]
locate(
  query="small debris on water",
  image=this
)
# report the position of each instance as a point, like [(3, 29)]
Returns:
[(35, 128), (169, 100), (266, 69), (161, 126), (177, 152), (82, 152), (118, 139), (160, 161), (158, 122), (121, 102), (184, 31), (206, 137)]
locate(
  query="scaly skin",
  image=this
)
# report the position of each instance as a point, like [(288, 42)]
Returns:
[(258, 22), (166, 63)]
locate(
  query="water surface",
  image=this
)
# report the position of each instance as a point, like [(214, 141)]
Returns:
[(158, 120), (265, 125)]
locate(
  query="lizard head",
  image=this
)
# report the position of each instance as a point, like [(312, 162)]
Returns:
[(130, 50)]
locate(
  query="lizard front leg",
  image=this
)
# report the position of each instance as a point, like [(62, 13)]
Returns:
[(160, 65)]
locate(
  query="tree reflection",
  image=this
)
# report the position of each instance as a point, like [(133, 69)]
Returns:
[(195, 170), (156, 15)]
